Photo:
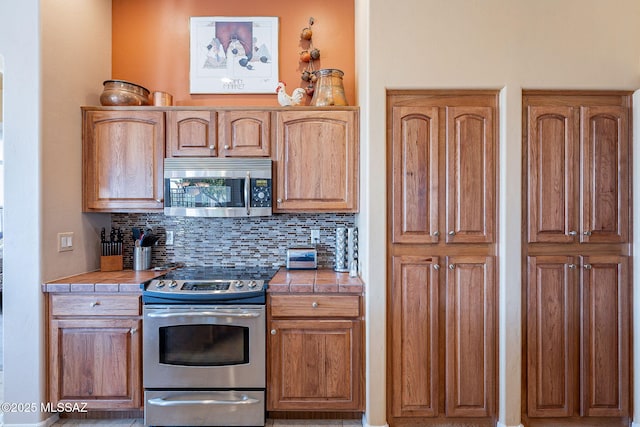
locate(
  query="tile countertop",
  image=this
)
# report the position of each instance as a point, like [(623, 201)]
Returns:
[(322, 280), (103, 281)]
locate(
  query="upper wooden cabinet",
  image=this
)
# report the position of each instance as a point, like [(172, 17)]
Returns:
[(317, 158), (122, 154), (443, 172), (191, 133), (578, 170), (224, 133)]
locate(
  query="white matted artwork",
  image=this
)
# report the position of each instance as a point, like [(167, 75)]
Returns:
[(234, 54)]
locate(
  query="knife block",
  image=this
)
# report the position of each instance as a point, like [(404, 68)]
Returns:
[(111, 263)]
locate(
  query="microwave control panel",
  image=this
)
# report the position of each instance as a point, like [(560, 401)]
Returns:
[(260, 192)]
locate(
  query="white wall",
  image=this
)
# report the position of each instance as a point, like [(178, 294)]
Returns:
[(501, 44), (42, 168)]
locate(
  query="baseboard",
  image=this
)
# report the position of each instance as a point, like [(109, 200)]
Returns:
[(46, 423), (366, 424), (499, 424)]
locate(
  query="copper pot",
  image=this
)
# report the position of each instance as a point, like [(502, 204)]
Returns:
[(120, 92)]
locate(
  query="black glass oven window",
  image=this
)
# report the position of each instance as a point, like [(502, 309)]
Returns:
[(204, 345), (204, 192)]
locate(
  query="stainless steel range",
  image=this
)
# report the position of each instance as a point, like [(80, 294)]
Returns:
[(204, 347)]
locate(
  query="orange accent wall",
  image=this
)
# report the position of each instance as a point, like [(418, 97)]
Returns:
[(150, 43)]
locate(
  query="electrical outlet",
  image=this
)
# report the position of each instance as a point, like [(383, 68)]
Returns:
[(169, 238), (65, 241), (315, 236)]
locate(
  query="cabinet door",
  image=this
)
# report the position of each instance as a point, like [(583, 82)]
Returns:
[(123, 155), (244, 133), (317, 161), (96, 361), (414, 174), (470, 336), (605, 181), (551, 340), (315, 364), (191, 133), (413, 339), (470, 187), (605, 336), (553, 174)]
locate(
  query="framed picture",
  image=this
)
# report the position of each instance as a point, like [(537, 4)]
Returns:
[(234, 54)]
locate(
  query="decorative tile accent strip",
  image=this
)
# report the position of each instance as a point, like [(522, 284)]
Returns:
[(251, 241)]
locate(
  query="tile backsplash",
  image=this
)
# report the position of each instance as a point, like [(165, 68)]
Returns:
[(233, 241)]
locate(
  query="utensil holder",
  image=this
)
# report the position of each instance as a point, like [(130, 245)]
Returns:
[(141, 257)]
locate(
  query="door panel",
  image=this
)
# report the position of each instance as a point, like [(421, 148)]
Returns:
[(605, 336), (414, 336), (469, 336), (415, 175), (605, 185), (470, 174), (551, 336), (552, 149)]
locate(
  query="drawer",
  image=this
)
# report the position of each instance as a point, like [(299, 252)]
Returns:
[(315, 305), (95, 305)]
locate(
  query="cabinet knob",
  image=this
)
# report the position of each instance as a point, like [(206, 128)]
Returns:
[(95, 303), (452, 266), (572, 266), (452, 233), (573, 233), (133, 331), (587, 233), (587, 266), (226, 147), (314, 304), (436, 233), (159, 200), (436, 266), (273, 332), (211, 147), (279, 200)]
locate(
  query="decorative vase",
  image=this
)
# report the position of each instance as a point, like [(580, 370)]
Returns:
[(329, 90)]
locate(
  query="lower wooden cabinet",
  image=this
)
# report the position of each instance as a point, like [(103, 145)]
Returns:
[(577, 336), (315, 358), (438, 370), (95, 358)]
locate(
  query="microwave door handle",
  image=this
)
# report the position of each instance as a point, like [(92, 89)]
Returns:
[(204, 314), (158, 401), (247, 192)]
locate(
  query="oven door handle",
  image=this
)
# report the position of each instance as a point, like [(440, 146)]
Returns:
[(247, 192), (227, 313), (158, 401)]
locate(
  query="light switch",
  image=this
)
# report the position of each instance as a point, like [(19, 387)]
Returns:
[(65, 241)]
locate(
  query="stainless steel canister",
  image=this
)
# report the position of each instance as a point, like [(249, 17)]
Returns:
[(142, 257), (346, 248)]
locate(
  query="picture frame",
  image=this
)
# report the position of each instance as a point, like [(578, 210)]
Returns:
[(233, 55)]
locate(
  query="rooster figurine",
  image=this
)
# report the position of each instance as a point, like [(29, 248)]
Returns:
[(285, 100)]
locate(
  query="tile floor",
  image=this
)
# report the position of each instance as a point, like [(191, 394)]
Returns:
[(270, 423)]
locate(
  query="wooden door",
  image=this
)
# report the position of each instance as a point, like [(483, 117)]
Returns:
[(551, 336), (413, 343), (244, 133), (96, 361), (470, 331), (470, 175), (314, 364), (552, 148), (191, 133), (123, 155), (605, 336), (317, 161), (415, 173), (605, 181)]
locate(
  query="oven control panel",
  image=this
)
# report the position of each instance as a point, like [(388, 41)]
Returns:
[(205, 287)]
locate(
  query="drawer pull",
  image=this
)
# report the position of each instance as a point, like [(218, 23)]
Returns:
[(273, 332), (94, 304), (314, 304)]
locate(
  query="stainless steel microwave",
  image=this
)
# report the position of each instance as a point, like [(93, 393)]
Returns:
[(217, 187)]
